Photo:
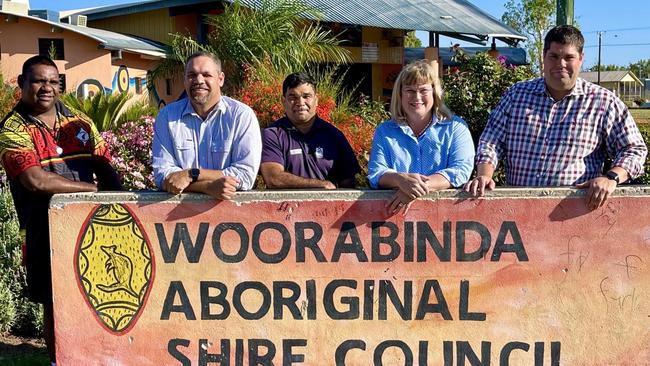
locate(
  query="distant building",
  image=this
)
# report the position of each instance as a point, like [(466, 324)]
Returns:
[(89, 60), (624, 83), (374, 30)]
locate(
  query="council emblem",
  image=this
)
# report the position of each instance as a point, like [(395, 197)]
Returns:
[(114, 266)]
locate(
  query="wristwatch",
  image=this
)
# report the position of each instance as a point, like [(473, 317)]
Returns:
[(194, 174), (611, 175)]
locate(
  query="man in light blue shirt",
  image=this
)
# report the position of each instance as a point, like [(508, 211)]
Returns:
[(207, 142)]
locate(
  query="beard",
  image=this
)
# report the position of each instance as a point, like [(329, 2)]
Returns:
[(200, 98)]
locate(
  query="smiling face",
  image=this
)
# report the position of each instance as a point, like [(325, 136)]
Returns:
[(300, 105), (417, 102), (562, 63), (203, 81), (40, 88)]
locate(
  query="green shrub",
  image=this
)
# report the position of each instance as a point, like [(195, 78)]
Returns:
[(7, 306), (16, 312), (9, 96), (474, 89)]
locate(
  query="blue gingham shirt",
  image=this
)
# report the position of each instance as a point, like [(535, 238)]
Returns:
[(445, 148), (555, 143), (229, 140)]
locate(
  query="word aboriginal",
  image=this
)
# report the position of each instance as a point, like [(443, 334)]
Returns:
[(272, 242)]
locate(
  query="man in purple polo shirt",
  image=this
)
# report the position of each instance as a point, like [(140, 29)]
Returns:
[(302, 150)]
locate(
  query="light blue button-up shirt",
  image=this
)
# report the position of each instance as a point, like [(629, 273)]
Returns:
[(228, 139), (445, 148)]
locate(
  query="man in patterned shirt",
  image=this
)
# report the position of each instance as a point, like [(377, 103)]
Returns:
[(558, 130), (45, 149)]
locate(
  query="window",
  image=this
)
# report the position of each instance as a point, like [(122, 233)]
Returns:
[(51, 47), (62, 83), (168, 86), (138, 85)]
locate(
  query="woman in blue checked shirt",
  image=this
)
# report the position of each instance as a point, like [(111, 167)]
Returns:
[(423, 147)]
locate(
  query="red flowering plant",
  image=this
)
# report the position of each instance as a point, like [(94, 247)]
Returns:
[(263, 93)]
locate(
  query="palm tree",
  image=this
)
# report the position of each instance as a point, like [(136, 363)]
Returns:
[(103, 109), (274, 33)]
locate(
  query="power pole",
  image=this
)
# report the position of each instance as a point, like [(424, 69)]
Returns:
[(564, 15), (600, 38)]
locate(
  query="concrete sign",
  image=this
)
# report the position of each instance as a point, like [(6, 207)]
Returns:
[(523, 277)]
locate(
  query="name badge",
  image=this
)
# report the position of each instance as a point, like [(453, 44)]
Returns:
[(295, 151), (319, 153)]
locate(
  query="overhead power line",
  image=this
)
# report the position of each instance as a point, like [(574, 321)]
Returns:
[(617, 30), (620, 45)]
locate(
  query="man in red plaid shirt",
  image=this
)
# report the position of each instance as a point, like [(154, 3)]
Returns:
[(559, 130)]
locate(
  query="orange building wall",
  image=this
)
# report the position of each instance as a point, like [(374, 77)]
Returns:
[(155, 24), (82, 57)]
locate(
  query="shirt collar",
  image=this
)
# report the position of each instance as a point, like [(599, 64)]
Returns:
[(285, 123), (61, 109), (578, 89), (188, 109)]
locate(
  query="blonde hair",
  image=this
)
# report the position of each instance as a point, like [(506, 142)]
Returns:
[(418, 72)]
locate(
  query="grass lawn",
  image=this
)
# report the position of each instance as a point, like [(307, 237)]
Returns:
[(641, 115)]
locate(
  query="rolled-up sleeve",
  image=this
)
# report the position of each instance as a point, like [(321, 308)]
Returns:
[(491, 144), (460, 160), (246, 150), (162, 149), (624, 142), (378, 163)]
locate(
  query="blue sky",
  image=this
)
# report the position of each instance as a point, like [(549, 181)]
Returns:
[(626, 36)]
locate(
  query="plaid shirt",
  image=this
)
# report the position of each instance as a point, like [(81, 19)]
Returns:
[(549, 143)]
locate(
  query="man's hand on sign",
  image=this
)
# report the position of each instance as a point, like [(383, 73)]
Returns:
[(176, 182), (223, 188)]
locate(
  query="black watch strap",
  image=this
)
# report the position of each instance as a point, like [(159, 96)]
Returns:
[(613, 176), (194, 174)]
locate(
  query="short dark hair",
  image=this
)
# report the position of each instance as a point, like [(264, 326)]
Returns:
[(296, 79), (211, 55), (564, 34), (37, 60)]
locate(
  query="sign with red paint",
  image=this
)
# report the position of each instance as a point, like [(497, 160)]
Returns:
[(330, 279)]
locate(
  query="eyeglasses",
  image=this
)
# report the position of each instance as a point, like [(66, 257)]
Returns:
[(412, 92)]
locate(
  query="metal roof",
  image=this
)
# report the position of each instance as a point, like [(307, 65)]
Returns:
[(454, 18), (447, 17), (609, 76), (102, 12), (107, 39)]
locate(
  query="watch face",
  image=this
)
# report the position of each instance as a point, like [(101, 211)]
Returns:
[(194, 174)]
